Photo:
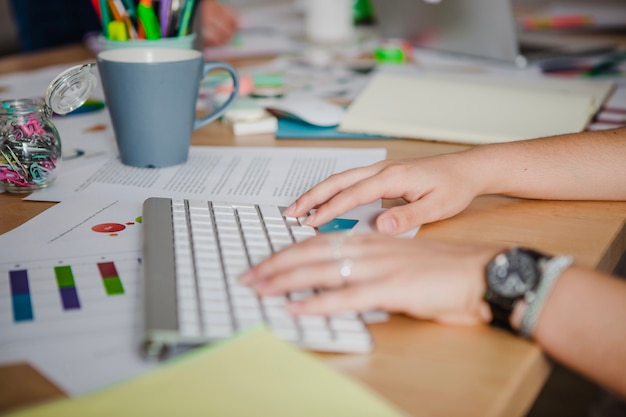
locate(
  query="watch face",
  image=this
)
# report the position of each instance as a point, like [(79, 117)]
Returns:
[(512, 274)]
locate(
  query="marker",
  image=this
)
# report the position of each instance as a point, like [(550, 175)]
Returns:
[(117, 31), (121, 14), (106, 17), (148, 19), (130, 8), (164, 15), (186, 18), (557, 22), (96, 7)]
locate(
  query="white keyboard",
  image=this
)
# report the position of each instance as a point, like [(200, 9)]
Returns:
[(193, 254)]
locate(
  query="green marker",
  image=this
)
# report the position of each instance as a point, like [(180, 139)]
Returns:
[(148, 19)]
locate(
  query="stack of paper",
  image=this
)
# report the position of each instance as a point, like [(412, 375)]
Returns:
[(254, 374), (470, 109)]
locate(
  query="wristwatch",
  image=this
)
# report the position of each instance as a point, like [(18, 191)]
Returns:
[(511, 276)]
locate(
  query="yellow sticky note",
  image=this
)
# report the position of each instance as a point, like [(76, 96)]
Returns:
[(254, 374)]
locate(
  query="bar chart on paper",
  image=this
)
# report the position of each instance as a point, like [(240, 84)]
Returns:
[(67, 297)]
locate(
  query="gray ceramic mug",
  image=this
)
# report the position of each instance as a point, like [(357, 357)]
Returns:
[(151, 95)]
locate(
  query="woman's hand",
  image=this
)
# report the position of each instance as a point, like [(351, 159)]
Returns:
[(422, 278), (219, 22), (435, 188)]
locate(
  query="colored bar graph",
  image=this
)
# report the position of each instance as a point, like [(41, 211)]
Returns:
[(110, 278), (67, 287), (20, 296)]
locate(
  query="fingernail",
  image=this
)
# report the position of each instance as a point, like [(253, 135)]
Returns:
[(289, 211), (387, 225)]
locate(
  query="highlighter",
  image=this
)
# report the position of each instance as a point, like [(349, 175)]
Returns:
[(148, 19), (117, 31)]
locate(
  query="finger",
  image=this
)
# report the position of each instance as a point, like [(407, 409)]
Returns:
[(363, 192), (326, 274), (361, 297), (310, 251), (326, 189), (371, 262), (429, 208)]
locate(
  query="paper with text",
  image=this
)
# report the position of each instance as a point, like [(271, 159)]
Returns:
[(235, 174)]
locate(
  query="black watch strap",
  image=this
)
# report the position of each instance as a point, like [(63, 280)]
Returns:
[(500, 317)]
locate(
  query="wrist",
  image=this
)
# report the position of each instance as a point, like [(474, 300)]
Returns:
[(551, 272), (518, 313)]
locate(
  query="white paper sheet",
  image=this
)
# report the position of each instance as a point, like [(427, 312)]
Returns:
[(273, 175)]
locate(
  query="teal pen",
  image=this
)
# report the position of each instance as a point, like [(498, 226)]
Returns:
[(606, 66), (106, 17), (185, 20), (131, 9)]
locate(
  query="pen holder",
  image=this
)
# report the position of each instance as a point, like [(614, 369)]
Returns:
[(178, 42)]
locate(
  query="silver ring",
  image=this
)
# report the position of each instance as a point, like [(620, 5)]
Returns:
[(345, 269)]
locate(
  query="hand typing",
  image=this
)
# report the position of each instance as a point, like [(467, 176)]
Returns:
[(435, 188)]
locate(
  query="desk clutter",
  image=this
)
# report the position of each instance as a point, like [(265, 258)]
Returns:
[(410, 99), (72, 299), (448, 107)]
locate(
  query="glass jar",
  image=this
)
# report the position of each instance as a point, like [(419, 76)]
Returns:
[(30, 145)]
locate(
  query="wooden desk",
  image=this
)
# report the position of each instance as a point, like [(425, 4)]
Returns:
[(424, 368)]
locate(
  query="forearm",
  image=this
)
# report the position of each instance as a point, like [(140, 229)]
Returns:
[(586, 166), (583, 326)]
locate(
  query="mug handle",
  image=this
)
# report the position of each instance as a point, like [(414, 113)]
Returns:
[(208, 67)]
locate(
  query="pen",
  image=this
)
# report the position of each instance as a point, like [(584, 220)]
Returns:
[(606, 66), (121, 14), (148, 19), (131, 9), (105, 16), (96, 7), (164, 16), (174, 20), (186, 18)]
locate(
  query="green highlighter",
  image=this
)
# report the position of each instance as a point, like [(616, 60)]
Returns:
[(148, 19)]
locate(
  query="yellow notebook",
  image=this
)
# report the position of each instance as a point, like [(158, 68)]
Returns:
[(472, 110), (254, 374)]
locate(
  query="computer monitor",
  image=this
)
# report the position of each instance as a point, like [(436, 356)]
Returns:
[(480, 28)]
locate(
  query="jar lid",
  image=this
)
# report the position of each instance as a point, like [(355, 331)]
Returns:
[(71, 88)]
